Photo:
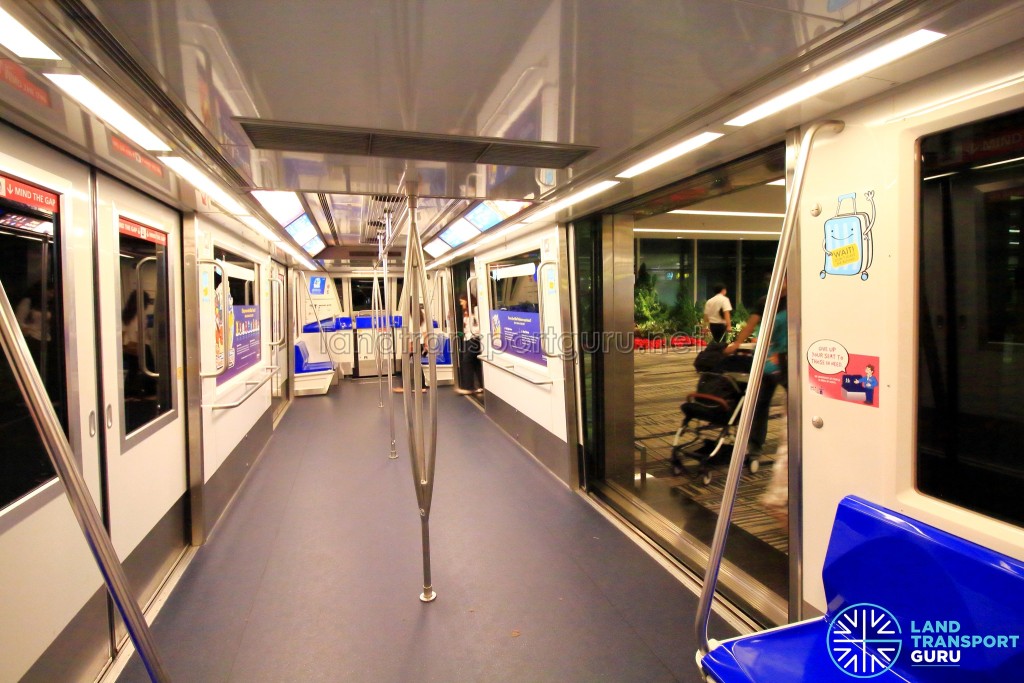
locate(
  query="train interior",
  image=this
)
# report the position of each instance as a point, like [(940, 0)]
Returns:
[(311, 309)]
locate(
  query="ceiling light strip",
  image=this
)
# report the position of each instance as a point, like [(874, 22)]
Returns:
[(684, 147), (741, 214), (726, 233), (202, 183), (568, 201), (847, 71), (90, 97), (22, 42)]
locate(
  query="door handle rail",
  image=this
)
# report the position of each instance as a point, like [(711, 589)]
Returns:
[(254, 386)]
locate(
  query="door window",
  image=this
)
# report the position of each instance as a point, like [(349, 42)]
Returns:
[(30, 273), (145, 328), (970, 414)]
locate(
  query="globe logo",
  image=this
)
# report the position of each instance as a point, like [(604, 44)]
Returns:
[(864, 640)]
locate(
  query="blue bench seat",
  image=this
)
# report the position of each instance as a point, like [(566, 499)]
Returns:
[(916, 584), (303, 365)]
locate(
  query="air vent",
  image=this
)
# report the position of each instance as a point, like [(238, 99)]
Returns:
[(307, 137)]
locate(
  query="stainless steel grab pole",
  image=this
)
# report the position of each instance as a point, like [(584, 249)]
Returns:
[(375, 336), (753, 387), (422, 450), (59, 450), (389, 313)]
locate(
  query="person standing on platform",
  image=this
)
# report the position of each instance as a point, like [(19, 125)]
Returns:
[(718, 314)]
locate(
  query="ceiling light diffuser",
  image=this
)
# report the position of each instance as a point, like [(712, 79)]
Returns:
[(199, 181), (741, 214), (847, 71), (669, 154), (571, 199), (283, 206), (114, 115), (21, 41)]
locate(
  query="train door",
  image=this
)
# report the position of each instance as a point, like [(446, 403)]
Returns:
[(281, 387), (466, 323), (49, 584), (142, 385)]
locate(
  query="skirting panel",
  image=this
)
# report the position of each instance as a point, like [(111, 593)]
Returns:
[(223, 485), (551, 451), (81, 650)]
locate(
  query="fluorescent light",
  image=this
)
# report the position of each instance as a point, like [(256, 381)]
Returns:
[(258, 226), (726, 233), (669, 154), (459, 232), (199, 181), (521, 270), (780, 181), (436, 248), (21, 41), (743, 214), (113, 114), (283, 206), (847, 71), (941, 175), (997, 163), (571, 199)]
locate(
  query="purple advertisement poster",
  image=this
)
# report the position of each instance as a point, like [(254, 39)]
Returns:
[(517, 333), (243, 340)]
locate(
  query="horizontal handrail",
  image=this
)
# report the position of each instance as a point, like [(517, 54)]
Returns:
[(510, 369), (255, 386)]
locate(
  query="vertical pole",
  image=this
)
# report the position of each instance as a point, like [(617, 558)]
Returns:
[(422, 445), (375, 319), (57, 447), (753, 387), (389, 314)]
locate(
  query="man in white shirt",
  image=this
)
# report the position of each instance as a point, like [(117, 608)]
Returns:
[(718, 314)]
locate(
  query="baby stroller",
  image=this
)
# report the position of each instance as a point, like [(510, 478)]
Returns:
[(710, 413)]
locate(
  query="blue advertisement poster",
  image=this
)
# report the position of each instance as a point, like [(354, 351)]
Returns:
[(243, 340), (517, 333)]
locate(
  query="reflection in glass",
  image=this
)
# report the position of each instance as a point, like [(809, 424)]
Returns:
[(29, 270), (145, 331), (970, 418)]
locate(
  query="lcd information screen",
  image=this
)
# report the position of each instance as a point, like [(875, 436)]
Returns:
[(484, 217)]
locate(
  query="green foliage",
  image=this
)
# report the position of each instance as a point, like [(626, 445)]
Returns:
[(649, 315), (685, 315)]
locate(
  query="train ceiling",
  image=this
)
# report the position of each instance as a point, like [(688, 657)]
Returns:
[(351, 104)]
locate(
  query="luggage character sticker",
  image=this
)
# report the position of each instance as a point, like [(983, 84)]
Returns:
[(848, 244), (836, 373)]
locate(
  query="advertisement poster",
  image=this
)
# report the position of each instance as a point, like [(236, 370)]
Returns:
[(243, 340), (517, 333), (836, 373)]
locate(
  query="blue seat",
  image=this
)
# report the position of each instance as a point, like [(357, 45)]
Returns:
[(302, 364), (327, 325), (915, 584), (444, 355)]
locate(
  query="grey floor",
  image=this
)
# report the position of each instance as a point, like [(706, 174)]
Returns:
[(315, 570)]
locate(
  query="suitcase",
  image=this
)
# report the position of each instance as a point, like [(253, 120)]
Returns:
[(847, 244)]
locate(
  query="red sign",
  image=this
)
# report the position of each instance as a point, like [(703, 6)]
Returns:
[(129, 227), (14, 75), (127, 150), (30, 195)]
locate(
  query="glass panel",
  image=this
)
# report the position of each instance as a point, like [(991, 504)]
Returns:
[(362, 296), (243, 342), (145, 326), (971, 343), (757, 259), (29, 270), (669, 479), (587, 236)]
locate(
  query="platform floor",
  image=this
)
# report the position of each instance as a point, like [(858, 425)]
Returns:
[(314, 573)]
